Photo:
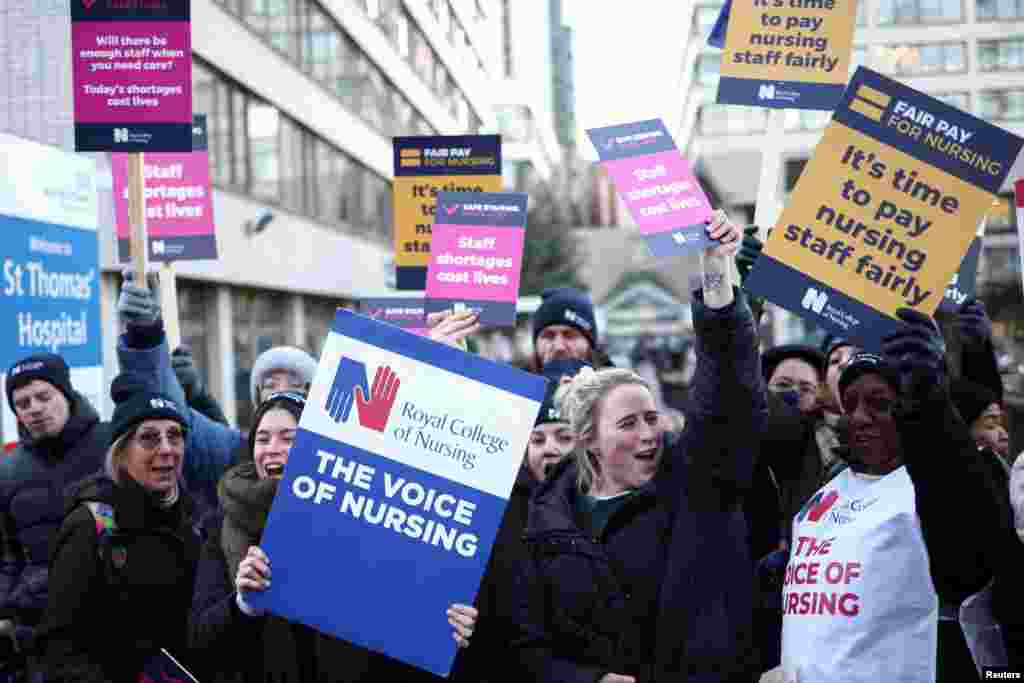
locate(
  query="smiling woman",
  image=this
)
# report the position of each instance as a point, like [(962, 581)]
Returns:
[(126, 550)]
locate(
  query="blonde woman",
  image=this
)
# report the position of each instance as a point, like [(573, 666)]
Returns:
[(638, 566)]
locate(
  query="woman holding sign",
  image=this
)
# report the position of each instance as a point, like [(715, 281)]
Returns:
[(638, 564), (876, 550), (246, 644)]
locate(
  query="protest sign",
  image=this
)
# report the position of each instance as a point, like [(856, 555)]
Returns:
[(1018, 191), (405, 312), (164, 668), (50, 291), (132, 75), (425, 166), (657, 185), (395, 488), (477, 255), (179, 202), (884, 211), (965, 280), (786, 54)]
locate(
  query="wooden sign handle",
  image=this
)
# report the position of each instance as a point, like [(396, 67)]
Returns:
[(169, 305), (139, 249)]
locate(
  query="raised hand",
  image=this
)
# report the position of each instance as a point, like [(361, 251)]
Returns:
[(350, 374), (374, 412), (462, 619), (918, 352), (453, 328), (136, 304), (973, 324)]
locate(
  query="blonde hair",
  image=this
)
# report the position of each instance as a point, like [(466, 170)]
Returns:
[(579, 404), (112, 463)]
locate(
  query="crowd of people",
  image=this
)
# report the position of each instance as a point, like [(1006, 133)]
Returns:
[(827, 514)]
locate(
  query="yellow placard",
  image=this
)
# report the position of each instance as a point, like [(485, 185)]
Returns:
[(877, 224), (414, 200), (787, 53)]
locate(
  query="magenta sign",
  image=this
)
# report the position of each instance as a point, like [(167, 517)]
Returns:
[(132, 69)]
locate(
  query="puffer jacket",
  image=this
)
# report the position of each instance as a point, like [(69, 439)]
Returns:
[(665, 592), (32, 483), (110, 612)]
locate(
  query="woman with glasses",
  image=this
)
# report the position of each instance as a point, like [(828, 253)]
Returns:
[(123, 563), (238, 641)]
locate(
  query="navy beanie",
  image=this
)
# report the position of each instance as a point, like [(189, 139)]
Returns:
[(549, 410), (47, 367), (864, 363), (135, 403), (566, 306)]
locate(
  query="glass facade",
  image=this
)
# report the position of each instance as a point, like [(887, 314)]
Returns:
[(995, 10), (1001, 55), (259, 318), (1001, 105), (919, 11), (257, 149)]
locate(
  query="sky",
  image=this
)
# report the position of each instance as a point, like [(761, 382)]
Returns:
[(628, 54)]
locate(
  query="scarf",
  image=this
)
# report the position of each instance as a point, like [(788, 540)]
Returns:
[(246, 501)]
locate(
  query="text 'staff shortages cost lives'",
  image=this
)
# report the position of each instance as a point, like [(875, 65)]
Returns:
[(477, 255), (425, 166), (787, 54), (884, 211), (132, 75), (656, 184), (179, 202), (395, 488)]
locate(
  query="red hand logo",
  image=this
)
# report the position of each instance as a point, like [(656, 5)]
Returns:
[(374, 413)]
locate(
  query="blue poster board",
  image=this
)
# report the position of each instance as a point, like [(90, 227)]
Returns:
[(395, 488)]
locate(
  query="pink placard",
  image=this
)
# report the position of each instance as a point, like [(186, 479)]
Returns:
[(660, 191), (475, 262), (132, 72)]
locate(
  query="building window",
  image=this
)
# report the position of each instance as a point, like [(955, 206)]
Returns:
[(1001, 217), (993, 10), (960, 100), (507, 51), (704, 17), (720, 119), (921, 60), (806, 119), (1001, 55), (862, 13), (706, 69), (259, 150), (1001, 105), (192, 309), (919, 11), (259, 318)]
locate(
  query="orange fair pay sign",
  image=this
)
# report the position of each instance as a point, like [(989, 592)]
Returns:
[(884, 211), (787, 54)]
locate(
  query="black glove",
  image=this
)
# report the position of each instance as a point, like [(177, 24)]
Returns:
[(973, 324), (185, 368), (750, 249), (918, 352)]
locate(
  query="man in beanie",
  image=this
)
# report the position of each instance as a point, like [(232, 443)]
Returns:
[(980, 409), (564, 327), (61, 441)]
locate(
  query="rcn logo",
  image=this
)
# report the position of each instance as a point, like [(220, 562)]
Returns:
[(120, 135), (815, 300), (159, 247), (817, 506), (451, 210), (766, 92), (350, 387)]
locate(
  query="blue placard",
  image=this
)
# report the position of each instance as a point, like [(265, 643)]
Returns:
[(395, 488), (965, 283), (51, 291)]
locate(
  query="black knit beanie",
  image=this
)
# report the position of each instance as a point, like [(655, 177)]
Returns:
[(566, 306), (135, 403), (47, 367)]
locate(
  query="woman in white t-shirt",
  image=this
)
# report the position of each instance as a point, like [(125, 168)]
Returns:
[(907, 525)]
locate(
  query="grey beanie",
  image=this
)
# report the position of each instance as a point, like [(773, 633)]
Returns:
[(288, 358)]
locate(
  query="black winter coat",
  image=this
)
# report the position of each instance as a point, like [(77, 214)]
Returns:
[(665, 593), (32, 484), (266, 649), (495, 626), (109, 613)]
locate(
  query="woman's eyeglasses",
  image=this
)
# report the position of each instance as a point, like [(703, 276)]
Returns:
[(150, 438)]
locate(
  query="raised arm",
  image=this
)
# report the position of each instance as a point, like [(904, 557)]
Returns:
[(728, 408)]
